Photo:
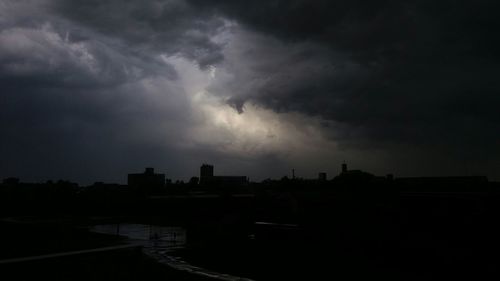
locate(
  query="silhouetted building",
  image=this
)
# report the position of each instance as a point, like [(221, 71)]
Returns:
[(443, 184), (207, 178), (107, 186), (353, 175), (206, 171), (230, 180), (148, 181), (447, 180), (344, 167), (194, 181), (322, 176)]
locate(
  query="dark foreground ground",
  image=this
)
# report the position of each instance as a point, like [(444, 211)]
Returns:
[(338, 234), (63, 251), (416, 236), (274, 253)]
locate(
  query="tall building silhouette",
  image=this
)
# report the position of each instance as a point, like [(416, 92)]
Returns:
[(206, 171), (344, 167)]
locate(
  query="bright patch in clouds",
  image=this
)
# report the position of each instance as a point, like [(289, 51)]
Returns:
[(254, 133)]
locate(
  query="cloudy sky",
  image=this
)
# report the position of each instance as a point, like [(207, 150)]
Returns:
[(91, 90)]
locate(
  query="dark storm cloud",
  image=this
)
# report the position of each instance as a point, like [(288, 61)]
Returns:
[(172, 27), (418, 72), (389, 71), (85, 86), (76, 104), (88, 95)]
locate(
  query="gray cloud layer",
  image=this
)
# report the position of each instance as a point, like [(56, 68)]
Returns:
[(392, 73), (89, 90), (407, 62)]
